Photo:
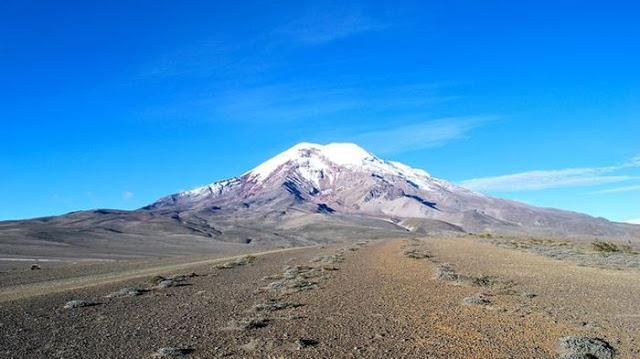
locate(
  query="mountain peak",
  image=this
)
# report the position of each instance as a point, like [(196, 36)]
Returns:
[(315, 156)]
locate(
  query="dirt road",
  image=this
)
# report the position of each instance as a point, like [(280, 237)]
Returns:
[(79, 282)]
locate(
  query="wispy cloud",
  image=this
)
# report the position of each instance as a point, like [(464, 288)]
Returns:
[(229, 55), (618, 189), (422, 135), (127, 195), (285, 102), (294, 101), (545, 179), (633, 221), (321, 28), (326, 21)]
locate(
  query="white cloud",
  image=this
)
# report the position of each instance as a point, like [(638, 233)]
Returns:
[(295, 101), (326, 23), (633, 221), (618, 189), (127, 195), (544, 179), (427, 134), (324, 31)]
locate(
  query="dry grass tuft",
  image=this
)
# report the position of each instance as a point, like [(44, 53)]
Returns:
[(610, 247), (484, 281), (416, 254), (243, 261)]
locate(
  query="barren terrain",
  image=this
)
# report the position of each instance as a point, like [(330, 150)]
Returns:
[(434, 297)]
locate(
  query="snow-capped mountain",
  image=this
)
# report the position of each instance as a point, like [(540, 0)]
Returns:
[(307, 194), (343, 178), (338, 176)]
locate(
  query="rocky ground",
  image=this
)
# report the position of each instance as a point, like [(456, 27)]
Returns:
[(607, 254), (433, 297)]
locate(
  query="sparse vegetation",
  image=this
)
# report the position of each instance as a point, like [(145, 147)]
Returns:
[(172, 352), (303, 277), (302, 343), (335, 258), (295, 279), (255, 323), (611, 247), (155, 280), (127, 292), (169, 282), (247, 324), (257, 344), (288, 286), (599, 253), (484, 281), (78, 304), (329, 268), (239, 262), (477, 299), (273, 306), (416, 254), (572, 347), (446, 273), (161, 282), (602, 246)]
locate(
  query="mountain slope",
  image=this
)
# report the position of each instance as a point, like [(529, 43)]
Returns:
[(308, 194), (346, 179)]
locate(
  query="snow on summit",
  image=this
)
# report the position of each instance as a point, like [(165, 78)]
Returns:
[(312, 159), (316, 164), (314, 156)]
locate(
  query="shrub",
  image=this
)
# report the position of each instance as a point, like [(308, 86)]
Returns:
[(484, 281), (602, 246), (239, 262)]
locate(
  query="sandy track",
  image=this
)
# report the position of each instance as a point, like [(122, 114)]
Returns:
[(391, 306), (63, 285)]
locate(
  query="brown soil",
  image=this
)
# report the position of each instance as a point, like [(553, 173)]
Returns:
[(377, 303)]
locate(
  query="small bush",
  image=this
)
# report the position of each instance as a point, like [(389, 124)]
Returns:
[(246, 324), (588, 347), (155, 280), (610, 247), (415, 254), (239, 262), (476, 299), (484, 281), (78, 304), (127, 292), (602, 246), (270, 307), (172, 352), (336, 258), (302, 343), (446, 273), (329, 268)]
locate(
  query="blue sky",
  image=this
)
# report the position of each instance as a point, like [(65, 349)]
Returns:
[(113, 105)]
